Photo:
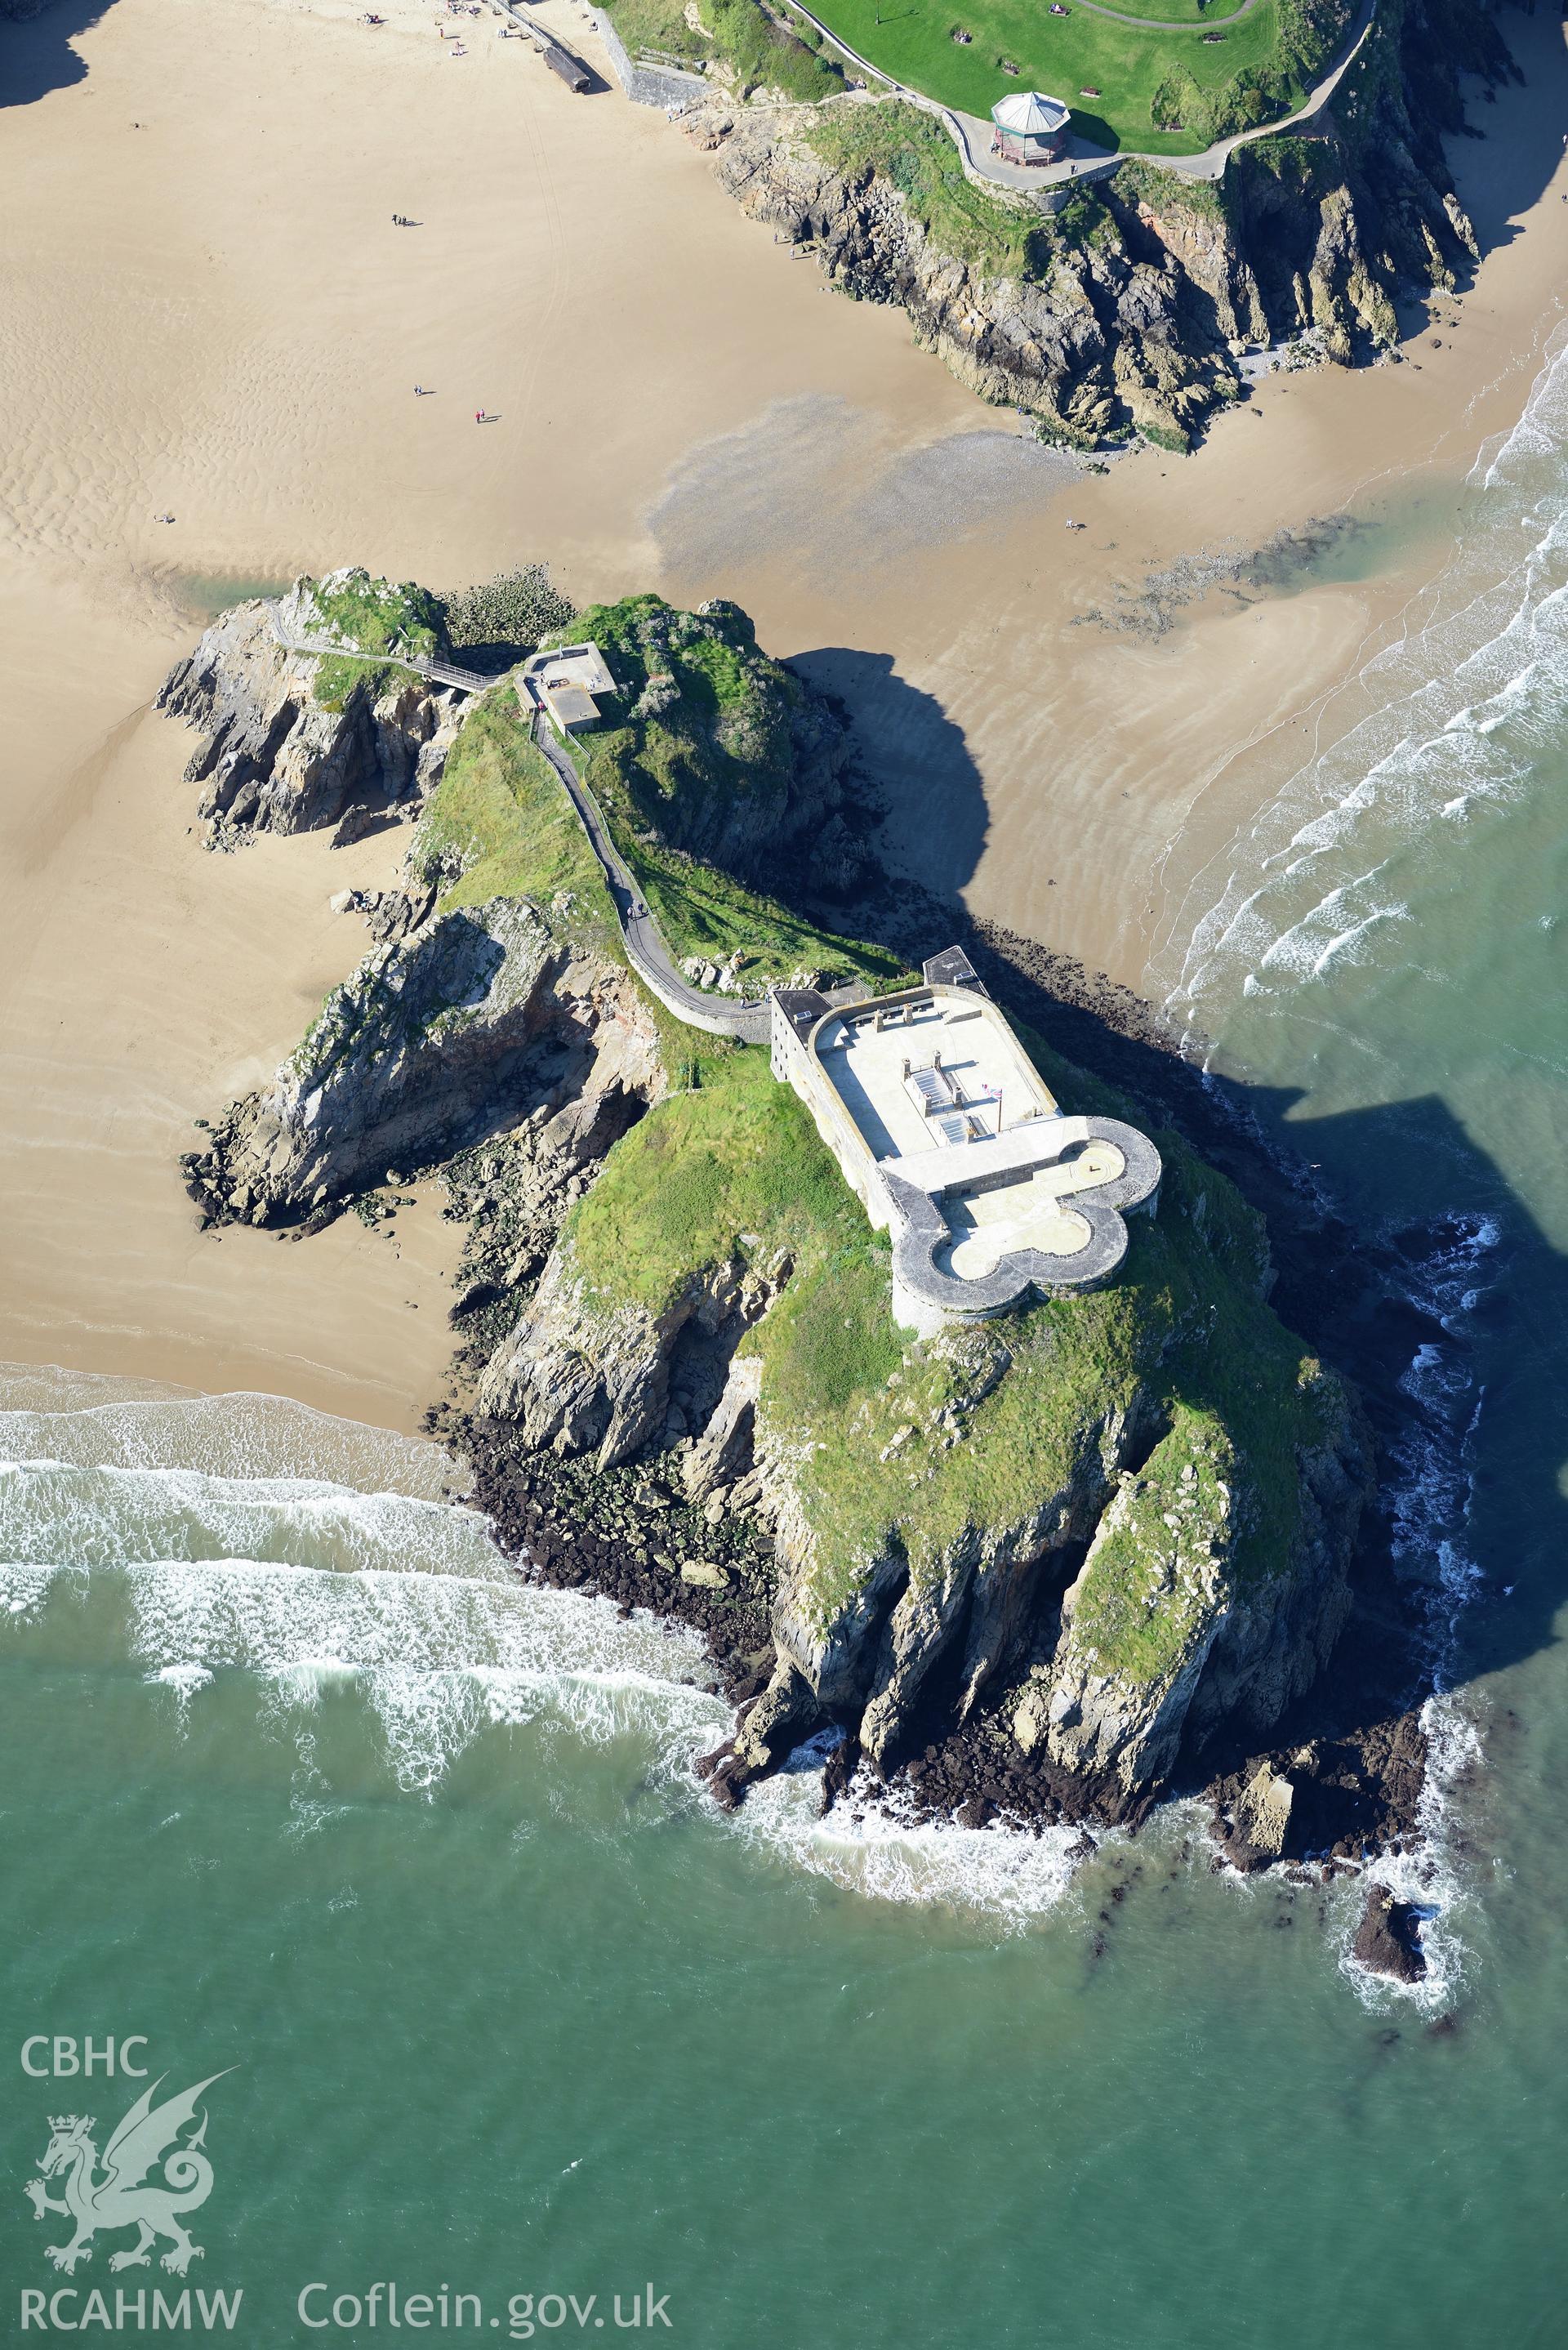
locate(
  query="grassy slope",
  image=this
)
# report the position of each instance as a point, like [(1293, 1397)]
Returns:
[(912, 151), (759, 53), (873, 1417), (656, 778), (1128, 1611), (499, 812), (379, 617)]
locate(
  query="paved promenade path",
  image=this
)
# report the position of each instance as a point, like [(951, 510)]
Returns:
[(1083, 162), (1167, 24), (646, 951)]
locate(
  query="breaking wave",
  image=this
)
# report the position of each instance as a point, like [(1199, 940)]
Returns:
[(188, 1521), (1361, 878), (1463, 701)]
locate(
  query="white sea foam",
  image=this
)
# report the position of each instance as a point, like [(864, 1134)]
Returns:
[(1430, 1877), (109, 1515), (70, 1417), (439, 1657), (873, 1844), (1458, 701), (304, 1583), (1458, 711)]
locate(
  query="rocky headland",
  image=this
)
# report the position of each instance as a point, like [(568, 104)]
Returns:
[(1132, 307), (1056, 1565)]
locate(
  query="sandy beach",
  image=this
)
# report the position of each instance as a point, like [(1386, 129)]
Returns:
[(211, 315)]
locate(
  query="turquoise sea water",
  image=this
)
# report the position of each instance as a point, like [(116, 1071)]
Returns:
[(298, 1783)]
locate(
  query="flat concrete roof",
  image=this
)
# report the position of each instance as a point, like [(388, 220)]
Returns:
[(571, 705), (929, 1072), (953, 1112), (581, 665)]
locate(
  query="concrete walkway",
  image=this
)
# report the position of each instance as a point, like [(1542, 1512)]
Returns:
[(466, 681), (644, 941), (973, 137)]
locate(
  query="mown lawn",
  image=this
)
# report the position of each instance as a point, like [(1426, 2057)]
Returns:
[(1067, 55)]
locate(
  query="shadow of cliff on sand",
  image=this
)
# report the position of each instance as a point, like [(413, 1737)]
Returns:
[(35, 52), (917, 762), (1504, 173)]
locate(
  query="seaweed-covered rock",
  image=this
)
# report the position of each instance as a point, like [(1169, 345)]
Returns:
[(1387, 1939)]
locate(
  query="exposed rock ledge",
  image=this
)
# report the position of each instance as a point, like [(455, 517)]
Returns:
[(1127, 310), (273, 759), (475, 1022)]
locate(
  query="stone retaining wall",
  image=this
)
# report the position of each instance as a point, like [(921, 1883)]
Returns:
[(648, 85)]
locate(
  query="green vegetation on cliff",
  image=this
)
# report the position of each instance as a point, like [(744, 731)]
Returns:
[(750, 48), (1139, 1620), (913, 152), (498, 824), (915, 1442), (709, 752), (709, 749), (377, 617)]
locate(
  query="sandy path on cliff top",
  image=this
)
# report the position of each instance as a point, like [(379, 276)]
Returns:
[(211, 314)]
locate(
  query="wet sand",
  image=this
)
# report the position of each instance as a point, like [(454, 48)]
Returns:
[(211, 315)]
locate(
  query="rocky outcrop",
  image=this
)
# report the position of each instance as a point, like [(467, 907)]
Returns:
[(964, 1615), (273, 758), (1158, 1605), (760, 755), (1387, 1941), (1098, 343), (579, 1376), (1125, 309), (474, 1022), (1167, 1632)]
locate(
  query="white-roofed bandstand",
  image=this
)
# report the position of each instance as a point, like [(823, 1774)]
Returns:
[(1027, 127)]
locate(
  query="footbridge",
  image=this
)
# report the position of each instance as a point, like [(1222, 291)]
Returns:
[(463, 680)]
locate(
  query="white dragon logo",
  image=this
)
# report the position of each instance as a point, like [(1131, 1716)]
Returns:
[(144, 2137)]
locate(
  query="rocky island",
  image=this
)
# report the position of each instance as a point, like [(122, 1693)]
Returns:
[(1054, 1559)]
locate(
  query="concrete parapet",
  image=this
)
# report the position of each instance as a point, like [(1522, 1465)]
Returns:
[(905, 1191)]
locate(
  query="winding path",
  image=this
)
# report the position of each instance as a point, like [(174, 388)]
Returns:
[(644, 941), (1169, 24), (971, 137), (467, 680)]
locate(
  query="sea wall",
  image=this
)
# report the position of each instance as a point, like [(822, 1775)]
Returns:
[(646, 84)]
